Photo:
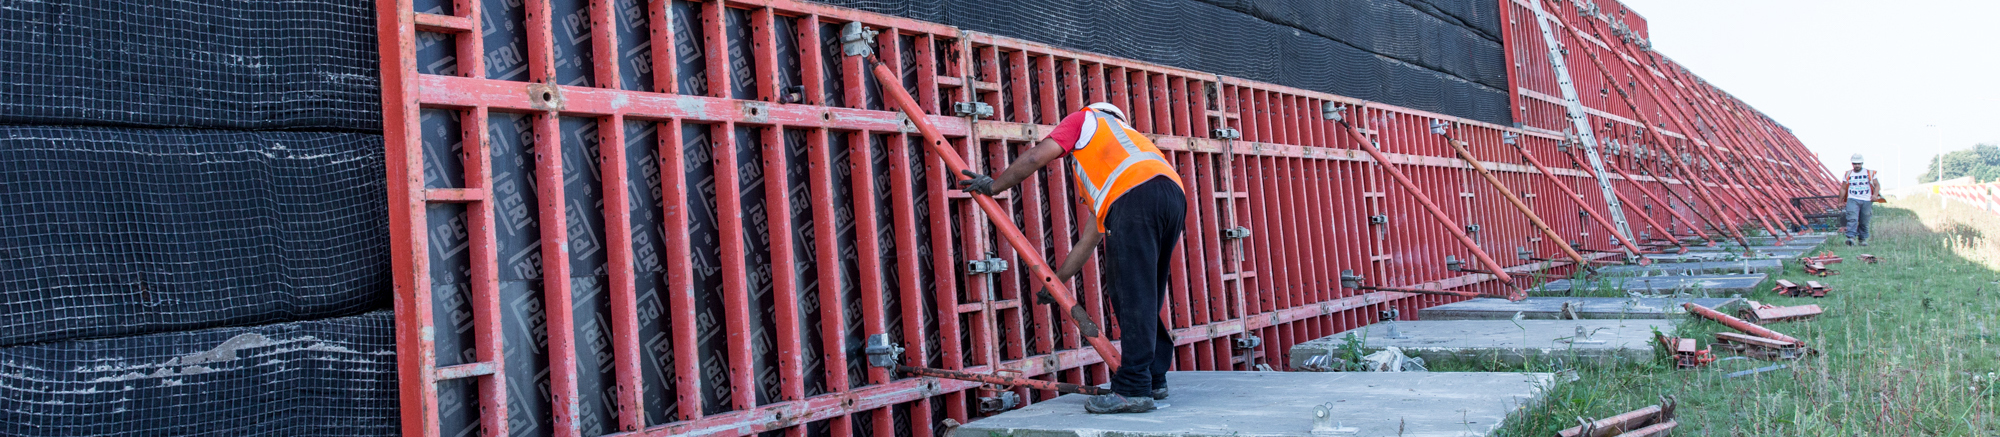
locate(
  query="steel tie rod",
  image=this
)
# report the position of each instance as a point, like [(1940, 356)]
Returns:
[(857, 42)]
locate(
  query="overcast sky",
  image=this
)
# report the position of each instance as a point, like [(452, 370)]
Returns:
[(1849, 76)]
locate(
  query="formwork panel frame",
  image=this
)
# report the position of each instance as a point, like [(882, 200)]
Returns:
[(1304, 187)]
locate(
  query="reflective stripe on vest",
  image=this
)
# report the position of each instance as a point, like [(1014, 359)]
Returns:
[(1099, 191)]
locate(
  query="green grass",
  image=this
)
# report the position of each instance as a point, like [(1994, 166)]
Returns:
[(1899, 347)]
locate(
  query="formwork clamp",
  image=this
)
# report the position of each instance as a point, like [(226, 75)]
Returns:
[(1332, 111), (857, 40), (1224, 133), (985, 266), (1235, 233), (972, 109)]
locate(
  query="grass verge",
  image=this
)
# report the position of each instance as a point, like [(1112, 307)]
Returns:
[(1906, 347)]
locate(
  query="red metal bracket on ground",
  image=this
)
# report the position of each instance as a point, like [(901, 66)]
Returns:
[(1871, 259), (1654, 420), (1759, 347), (1817, 289), (1788, 288), (1739, 324), (1761, 313), (1685, 354)]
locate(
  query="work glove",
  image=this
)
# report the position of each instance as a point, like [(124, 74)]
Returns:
[(975, 183)]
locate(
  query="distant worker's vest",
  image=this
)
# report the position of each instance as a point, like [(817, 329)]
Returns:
[(1111, 158), (1857, 185)]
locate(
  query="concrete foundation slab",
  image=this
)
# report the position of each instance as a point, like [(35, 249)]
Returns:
[(1748, 266), (1224, 404), (1693, 256), (1801, 239), (1760, 248), (1505, 342), (1696, 284), (1586, 307)]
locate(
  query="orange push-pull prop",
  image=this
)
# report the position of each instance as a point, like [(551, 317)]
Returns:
[(859, 41)]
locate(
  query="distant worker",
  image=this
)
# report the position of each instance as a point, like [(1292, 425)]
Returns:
[(1137, 203), (1862, 191)]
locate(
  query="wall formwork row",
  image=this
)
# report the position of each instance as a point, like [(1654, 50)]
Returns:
[(687, 230)]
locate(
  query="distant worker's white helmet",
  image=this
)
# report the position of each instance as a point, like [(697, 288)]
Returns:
[(1857, 158), (1108, 108)]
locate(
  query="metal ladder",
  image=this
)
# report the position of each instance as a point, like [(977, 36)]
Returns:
[(1580, 119)]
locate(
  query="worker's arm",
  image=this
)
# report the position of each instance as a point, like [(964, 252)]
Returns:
[(1080, 252), (1022, 167)]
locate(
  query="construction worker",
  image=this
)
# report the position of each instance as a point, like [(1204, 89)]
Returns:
[(1862, 190), (1137, 204)]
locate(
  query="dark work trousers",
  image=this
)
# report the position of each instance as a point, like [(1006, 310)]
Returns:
[(1859, 212), (1142, 228)]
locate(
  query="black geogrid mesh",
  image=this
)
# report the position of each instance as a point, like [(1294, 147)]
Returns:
[(1430, 55), (118, 231), (332, 377), (240, 64)]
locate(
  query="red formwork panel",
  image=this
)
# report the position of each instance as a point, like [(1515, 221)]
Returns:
[(1735, 155), (1315, 203)]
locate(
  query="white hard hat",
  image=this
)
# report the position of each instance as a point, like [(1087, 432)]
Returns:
[(1857, 158), (1108, 108)]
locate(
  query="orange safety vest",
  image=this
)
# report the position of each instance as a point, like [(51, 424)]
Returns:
[(1111, 158)]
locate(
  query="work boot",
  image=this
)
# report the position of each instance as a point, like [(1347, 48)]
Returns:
[(1864, 243), (1850, 241), (1160, 393), (1114, 404)]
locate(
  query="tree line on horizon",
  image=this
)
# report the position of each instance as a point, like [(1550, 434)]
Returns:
[(1981, 162)]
